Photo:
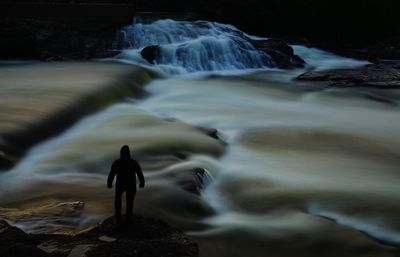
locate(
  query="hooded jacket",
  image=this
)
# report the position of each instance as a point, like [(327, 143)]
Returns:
[(125, 169)]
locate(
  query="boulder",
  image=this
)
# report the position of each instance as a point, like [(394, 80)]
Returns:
[(150, 53), (281, 53)]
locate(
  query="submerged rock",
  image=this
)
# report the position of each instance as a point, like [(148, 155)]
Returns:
[(142, 237), (383, 75)]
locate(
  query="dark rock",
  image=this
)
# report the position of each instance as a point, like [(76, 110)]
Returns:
[(383, 75), (150, 53), (281, 53), (211, 132), (16, 243), (142, 237), (140, 228), (5, 163), (194, 180)]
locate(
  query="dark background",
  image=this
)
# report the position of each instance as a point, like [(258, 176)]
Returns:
[(332, 24)]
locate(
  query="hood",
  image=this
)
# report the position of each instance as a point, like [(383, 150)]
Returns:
[(125, 152)]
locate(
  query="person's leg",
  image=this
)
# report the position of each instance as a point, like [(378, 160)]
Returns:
[(130, 198), (118, 202)]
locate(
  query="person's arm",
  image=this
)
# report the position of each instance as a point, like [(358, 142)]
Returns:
[(111, 176), (139, 173)]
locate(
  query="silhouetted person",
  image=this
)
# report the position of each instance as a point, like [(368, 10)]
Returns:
[(126, 169)]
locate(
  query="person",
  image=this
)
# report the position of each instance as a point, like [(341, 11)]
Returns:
[(125, 169)]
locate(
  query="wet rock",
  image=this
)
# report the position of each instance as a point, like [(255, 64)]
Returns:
[(141, 237), (211, 132), (282, 54), (383, 75), (150, 53), (194, 180)]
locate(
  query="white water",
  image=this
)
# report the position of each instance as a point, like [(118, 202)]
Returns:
[(294, 153)]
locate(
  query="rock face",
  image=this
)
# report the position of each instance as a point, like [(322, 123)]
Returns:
[(143, 237), (383, 75)]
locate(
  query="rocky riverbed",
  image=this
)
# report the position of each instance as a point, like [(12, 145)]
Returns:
[(144, 237)]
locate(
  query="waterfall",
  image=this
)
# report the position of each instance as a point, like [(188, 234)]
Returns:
[(187, 47)]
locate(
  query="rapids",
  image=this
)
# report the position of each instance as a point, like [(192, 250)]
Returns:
[(302, 170)]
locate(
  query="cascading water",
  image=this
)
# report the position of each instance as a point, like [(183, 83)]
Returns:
[(192, 46)]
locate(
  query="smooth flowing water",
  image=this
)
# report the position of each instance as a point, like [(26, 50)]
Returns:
[(303, 171)]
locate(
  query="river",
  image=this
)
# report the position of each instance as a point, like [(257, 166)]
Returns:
[(302, 170)]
